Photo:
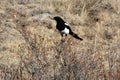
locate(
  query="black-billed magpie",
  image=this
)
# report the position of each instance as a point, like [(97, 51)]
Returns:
[(64, 28)]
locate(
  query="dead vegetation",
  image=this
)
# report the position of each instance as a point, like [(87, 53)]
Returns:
[(31, 48)]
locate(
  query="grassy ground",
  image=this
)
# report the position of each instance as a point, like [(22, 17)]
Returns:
[(31, 47)]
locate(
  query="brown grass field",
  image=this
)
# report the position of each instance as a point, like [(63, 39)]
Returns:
[(31, 47)]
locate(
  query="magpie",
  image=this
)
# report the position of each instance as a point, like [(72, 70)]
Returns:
[(64, 28)]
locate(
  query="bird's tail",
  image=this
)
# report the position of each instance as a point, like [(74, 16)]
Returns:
[(75, 36)]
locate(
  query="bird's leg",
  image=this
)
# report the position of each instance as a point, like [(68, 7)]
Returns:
[(63, 37), (61, 34)]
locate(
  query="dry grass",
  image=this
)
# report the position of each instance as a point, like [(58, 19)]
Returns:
[(31, 47)]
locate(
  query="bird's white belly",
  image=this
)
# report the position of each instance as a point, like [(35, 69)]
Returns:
[(66, 31)]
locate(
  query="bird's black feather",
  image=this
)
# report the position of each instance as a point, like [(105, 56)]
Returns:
[(61, 26), (75, 36)]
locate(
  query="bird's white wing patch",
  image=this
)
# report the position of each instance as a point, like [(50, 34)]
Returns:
[(66, 31), (66, 24)]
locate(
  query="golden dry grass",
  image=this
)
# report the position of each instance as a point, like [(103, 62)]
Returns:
[(31, 47)]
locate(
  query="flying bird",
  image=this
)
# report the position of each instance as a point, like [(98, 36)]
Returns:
[(64, 28)]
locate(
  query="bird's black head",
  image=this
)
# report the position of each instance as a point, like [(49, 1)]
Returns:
[(58, 19)]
